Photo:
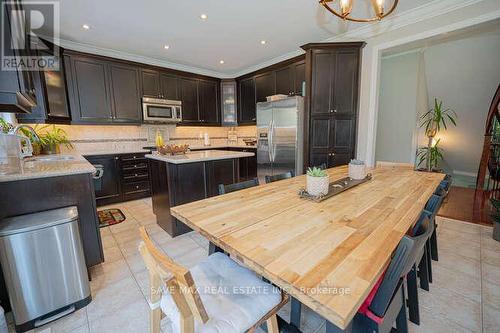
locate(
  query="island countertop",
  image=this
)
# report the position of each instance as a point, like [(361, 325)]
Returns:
[(200, 156)]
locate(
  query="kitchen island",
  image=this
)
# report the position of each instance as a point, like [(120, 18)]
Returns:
[(180, 179)]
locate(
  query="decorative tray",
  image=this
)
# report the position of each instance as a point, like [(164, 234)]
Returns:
[(335, 188)]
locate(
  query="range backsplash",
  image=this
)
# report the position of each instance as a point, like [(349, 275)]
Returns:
[(87, 138)]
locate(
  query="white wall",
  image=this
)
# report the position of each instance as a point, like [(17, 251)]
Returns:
[(475, 12), (397, 108), (464, 74)]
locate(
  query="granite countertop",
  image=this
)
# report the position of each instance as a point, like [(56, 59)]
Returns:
[(217, 146), (199, 156), (46, 166), (116, 152)]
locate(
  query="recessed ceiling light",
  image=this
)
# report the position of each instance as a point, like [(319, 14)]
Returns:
[(166, 47), (86, 26), (221, 62), (263, 42), (203, 16)]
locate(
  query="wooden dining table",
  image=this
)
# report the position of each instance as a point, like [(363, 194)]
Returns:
[(326, 255)]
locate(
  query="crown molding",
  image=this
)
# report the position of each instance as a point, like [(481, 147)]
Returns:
[(396, 21), (87, 48)]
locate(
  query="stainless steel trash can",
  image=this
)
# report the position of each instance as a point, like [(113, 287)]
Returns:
[(44, 266)]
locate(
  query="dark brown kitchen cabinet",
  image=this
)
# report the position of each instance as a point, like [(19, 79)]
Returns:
[(89, 94), (299, 77), (103, 92), (247, 165), (150, 83), (17, 87), (109, 189), (208, 102), (125, 177), (52, 98), (285, 81), (264, 86), (169, 87), (126, 94), (332, 109), (220, 172), (246, 106), (189, 98)]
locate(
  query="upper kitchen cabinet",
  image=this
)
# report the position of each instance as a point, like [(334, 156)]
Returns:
[(208, 102), (299, 71), (150, 83), (246, 105), (284, 81), (89, 90), (229, 103), (126, 93), (189, 97), (101, 91), (333, 104), (17, 88), (169, 87), (51, 94), (159, 85), (265, 86)]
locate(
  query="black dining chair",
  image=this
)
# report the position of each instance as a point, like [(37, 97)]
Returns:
[(281, 176), (432, 207), (422, 231), (386, 303), (223, 189)]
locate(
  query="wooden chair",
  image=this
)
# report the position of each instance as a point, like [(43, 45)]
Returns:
[(281, 176), (399, 165), (178, 287), (223, 189)]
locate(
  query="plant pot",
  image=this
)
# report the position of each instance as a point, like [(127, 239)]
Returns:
[(50, 149), (317, 185)]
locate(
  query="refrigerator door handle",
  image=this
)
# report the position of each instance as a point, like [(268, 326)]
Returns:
[(270, 140), (273, 144)]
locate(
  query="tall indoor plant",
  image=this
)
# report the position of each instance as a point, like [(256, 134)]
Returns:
[(435, 120)]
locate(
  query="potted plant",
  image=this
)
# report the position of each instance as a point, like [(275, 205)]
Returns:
[(434, 120), (317, 181), (51, 137), (432, 155)]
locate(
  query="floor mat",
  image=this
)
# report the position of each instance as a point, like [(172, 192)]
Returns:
[(110, 216)]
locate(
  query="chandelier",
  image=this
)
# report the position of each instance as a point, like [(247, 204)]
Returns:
[(345, 8)]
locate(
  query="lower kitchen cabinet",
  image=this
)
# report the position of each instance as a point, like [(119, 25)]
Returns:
[(247, 165), (177, 184), (125, 177)]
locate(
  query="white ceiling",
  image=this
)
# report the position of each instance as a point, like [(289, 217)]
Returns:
[(232, 32)]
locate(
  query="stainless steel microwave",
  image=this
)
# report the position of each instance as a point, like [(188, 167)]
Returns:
[(157, 110)]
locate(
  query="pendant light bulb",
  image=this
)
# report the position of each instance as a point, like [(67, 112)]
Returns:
[(378, 7), (345, 7)]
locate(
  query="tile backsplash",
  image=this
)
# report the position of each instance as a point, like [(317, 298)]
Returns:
[(88, 138)]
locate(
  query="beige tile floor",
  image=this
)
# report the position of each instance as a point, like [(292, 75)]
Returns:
[(465, 295)]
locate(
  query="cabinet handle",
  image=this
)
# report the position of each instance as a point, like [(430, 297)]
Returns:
[(137, 187), (136, 175), (116, 157)]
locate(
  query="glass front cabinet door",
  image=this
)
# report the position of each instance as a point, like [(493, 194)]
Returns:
[(229, 116)]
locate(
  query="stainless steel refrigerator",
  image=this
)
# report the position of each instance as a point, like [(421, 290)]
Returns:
[(280, 136)]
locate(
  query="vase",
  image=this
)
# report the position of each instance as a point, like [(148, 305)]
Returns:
[(317, 185)]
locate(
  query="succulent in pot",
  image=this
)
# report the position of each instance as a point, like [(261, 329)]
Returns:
[(317, 181)]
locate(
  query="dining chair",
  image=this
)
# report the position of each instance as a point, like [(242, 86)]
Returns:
[(386, 303), (399, 165), (281, 176), (224, 189), (421, 233), (208, 297), (432, 207)]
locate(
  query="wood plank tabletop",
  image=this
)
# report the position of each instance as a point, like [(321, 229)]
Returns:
[(328, 255)]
